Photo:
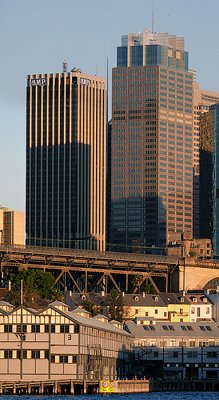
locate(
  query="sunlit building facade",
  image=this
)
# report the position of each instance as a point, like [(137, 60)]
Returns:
[(152, 142), (66, 160)]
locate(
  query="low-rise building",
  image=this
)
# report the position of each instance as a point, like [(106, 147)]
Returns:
[(145, 305), (179, 350), (201, 308), (55, 342), (178, 307)]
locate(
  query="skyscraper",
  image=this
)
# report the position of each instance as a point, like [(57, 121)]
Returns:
[(152, 142), (66, 160), (209, 176), (203, 99)]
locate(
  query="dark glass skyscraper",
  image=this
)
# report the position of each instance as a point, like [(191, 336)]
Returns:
[(152, 142), (209, 176), (66, 160)]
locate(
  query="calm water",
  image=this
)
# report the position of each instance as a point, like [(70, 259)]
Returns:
[(139, 396)]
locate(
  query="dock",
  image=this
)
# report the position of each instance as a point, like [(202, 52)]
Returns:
[(62, 387)]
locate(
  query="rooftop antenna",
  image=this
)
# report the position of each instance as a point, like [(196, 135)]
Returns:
[(65, 66), (153, 17)]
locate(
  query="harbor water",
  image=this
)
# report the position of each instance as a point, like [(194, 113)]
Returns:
[(137, 396)]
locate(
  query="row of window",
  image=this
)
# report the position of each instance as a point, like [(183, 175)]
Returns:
[(37, 328), (37, 354), (183, 327)]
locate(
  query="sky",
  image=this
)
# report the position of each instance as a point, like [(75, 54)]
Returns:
[(36, 36)]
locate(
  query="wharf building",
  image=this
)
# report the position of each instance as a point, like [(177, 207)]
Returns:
[(66, 160), (151, 142), (56, 343), (175, 350)]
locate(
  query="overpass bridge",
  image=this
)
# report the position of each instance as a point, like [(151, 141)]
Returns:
[(87, 270)]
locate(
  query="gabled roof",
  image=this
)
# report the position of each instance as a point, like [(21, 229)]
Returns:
[(147, 300), (174, 298), (180, 330)]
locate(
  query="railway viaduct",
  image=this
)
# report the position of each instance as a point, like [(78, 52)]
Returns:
[(85, 271)]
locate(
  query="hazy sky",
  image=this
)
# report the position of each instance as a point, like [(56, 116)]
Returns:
[(36, 36)]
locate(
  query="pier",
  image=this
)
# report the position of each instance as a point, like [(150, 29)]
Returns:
[(62, 387), (186, 385)]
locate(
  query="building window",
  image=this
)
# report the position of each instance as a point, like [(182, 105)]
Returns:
[(7, 328), (211, 354), (21, 328), (52, 359), (23, 353), (156, 311), (76, 329), (50, 328), (63, 359), (64, 328), (35, 354), (8, 354), (74, 359), (35, 328), (46, 354)]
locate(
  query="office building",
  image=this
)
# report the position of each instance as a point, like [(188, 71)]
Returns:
[(209, 180), (203, 99), (66, 160), (11, 227), (152, 142)]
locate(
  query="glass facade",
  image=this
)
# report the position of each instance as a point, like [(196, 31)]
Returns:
[(215, 112)]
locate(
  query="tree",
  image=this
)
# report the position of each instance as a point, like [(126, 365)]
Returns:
[(116, 305), (136, 282), (91, 307), (37, 286)]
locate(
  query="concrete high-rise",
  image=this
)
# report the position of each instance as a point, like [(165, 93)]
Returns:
[(152, 142), (66, 160), (11, 227)]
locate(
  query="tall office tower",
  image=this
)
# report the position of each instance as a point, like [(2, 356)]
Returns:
[(11, 227), (66, 160), (209, 176), (203, 99), (152, 142)]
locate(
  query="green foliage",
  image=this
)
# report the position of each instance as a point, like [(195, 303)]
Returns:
[(91, 307), (136, 282), (116, 305), (148, 288), (37, 285)]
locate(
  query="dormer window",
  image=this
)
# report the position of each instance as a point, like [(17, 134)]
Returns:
[(194, 300)]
